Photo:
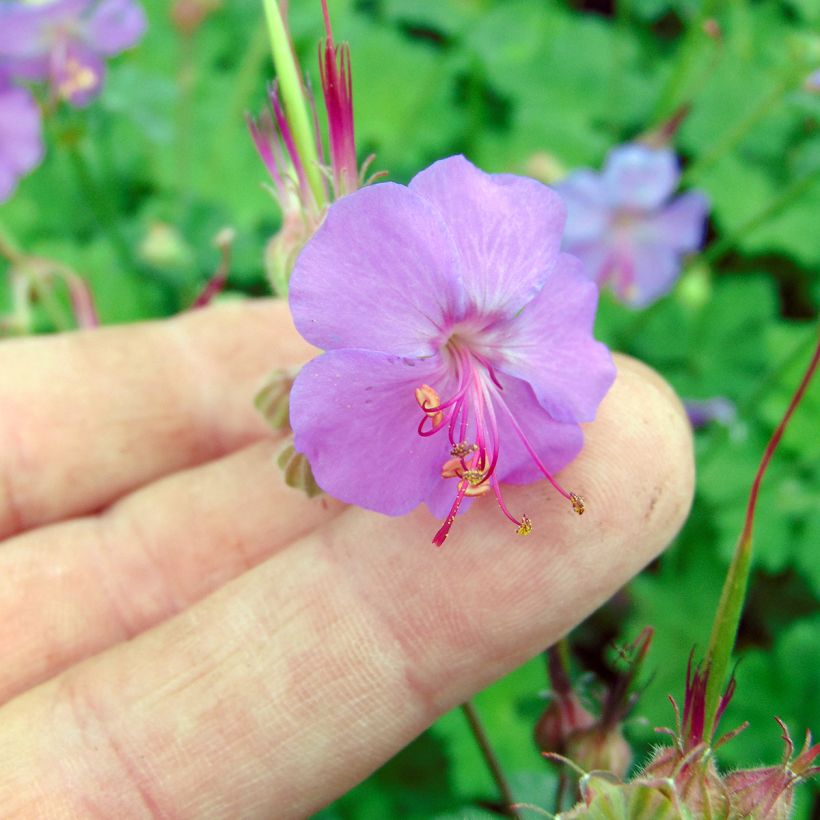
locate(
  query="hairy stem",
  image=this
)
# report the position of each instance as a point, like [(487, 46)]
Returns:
[(293, 98), (490, 758)]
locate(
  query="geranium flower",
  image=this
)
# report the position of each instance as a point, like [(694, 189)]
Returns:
[(65, 42), (625, 226), (21, 144), (459, 345)]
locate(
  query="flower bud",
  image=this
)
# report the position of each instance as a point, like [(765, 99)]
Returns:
[(296, 471), (596, 749), (769, 791), (563, 718), (283, 248)]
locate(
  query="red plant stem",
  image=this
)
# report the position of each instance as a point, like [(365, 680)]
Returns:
[(775, 440), (733, 595), (490, 759)]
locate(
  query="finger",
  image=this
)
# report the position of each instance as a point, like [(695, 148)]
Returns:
[(72, 589), (88, 416), (297, 679)]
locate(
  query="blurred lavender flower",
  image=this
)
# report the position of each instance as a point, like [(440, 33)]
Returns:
[(21, 145), (65, 42), (704, 411), (812, 82), (625, 226)]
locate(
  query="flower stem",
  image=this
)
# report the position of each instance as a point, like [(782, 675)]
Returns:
[(100, 202), (775, 206), (730, 139), (186, 82), (727, 618), (293, 98), (671, 96), (489, 757)]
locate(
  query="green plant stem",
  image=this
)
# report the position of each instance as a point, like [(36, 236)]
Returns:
[(293, 98), (489, 757), (241, 99), (186, 82), (102, 206), (752, 399), (736, 133), (695, 37), (727, 618), (717, 250)]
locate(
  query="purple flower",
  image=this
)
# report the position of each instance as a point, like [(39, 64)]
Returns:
[(704, 411), (65, 42), (21, 145), (625, 226), (459, 343)]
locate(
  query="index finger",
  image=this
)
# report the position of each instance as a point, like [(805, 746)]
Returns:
[(86, 417), (297, 679)]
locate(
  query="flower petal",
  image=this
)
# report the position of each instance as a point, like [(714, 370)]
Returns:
[(78, 74), (115, 25), (550, 343), (381, 273), (588, 212), (655, 269), (556, 444), (639, 177), (507, 229), (21, 145), (355, 417), (681, 225)]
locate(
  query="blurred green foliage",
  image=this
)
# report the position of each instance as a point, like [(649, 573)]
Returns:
[(161, 162)]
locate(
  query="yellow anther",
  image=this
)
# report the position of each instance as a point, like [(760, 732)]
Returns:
[(473, 477), (577, 503), (526, 526), (462, 449), (77, 78), (427, 397)]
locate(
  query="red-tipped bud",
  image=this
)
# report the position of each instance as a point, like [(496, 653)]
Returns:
[(768, 792), (564, 717)]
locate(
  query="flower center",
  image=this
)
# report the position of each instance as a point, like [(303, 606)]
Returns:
[(470, 417)]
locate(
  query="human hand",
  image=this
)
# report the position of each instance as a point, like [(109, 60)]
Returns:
[(185, 636)]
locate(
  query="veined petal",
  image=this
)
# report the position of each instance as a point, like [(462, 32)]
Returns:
[(507, 229), (355, 417), (681, 225), (115, 25), (381, 273), (639, 177), (550, 342)]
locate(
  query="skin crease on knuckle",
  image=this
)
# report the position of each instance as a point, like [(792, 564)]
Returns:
[(182, 394), (395, 654)]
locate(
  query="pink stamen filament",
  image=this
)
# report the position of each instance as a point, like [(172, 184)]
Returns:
[(531, 451), (474, 399)]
